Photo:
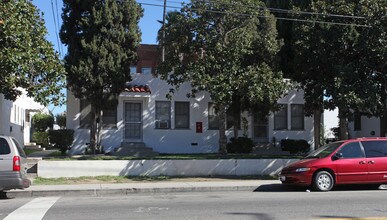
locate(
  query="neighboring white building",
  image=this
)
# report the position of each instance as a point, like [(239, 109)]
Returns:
[(364, 127), (361, 126), (331, 120), (15, 117), (180, 125)]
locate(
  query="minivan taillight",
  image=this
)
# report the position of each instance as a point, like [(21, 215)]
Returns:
[(16, 163)]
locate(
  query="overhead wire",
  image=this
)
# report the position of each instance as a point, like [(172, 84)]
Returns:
[(261, 16), (277, 10), (56, 29), (58, 21)]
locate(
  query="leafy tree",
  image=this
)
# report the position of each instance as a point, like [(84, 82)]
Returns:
[(353, 88), (102, 38), (42, 121), (371, 58), (283, 10), (27, 59), (330, 60), (225, 49)]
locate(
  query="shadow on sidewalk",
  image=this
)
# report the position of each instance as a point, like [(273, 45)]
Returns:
[(279, 188)]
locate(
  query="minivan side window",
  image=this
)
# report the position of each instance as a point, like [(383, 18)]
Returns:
[(19, 148), (351, 150), (375, 148), (4, 147)]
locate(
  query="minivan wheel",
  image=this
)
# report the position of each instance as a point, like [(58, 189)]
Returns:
[(323, 181)]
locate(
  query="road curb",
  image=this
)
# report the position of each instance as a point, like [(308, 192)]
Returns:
[(122, 192)]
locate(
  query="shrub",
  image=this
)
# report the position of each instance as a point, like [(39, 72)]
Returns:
[(42, 121), (62, 139), (41, 138), (295, 146), (240, 145)]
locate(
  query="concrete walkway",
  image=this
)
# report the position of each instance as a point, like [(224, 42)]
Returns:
[(123, 189)]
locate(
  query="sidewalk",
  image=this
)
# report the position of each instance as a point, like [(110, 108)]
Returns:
[(123, 189)]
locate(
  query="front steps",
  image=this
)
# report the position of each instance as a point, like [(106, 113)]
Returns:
[(137, 149)]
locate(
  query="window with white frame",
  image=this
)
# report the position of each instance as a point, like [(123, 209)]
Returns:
[(281, 118), (297, 116), (213, 118), (146, 70), (163, 114), (182, 115)]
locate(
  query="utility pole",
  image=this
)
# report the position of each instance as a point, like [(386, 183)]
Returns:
[(163, 28)]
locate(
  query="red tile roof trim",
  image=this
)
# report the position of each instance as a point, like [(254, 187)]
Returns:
[(138, 88)]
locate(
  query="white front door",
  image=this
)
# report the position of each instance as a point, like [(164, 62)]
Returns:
[(133, 121)]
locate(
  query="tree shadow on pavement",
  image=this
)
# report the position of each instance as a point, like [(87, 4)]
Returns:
[(260, 216), (279, 188)]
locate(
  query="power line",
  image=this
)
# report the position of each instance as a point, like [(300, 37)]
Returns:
[(57, 16), (56, 29), (276, 10), (262, 16)]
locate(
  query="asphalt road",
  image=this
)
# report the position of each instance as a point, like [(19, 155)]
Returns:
[(266, 202)]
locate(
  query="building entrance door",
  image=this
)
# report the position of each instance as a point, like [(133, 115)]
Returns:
[(133, 121)]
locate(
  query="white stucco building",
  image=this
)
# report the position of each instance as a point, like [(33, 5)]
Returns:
[(15, 117), (181, 125)]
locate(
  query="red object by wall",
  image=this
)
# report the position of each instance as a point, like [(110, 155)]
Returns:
[(199, 127)]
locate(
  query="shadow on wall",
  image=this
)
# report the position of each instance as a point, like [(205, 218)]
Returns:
[(110, 139), (228, 167)]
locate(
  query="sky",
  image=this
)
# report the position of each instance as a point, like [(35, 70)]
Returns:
[(149, 25)]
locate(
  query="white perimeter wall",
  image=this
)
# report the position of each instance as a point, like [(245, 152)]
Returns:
[(231, 167)]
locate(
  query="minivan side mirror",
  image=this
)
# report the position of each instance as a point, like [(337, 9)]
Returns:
[(337, 156)]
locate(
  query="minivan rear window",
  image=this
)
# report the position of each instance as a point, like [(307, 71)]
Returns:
[(375, 148), (4, 147)]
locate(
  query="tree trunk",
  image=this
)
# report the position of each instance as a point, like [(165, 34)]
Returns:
[(317, 127), (343, 125), (99, 126), (236, 115), (384, 115), (222, 131), (93, 129), (94, 133)]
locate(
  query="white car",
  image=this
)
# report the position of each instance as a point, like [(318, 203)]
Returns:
[(13, 165)]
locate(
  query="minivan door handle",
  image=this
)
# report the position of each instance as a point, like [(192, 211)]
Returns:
[(362, 162), (371, 162)]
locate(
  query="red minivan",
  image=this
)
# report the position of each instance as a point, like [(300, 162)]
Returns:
[(356, 161)]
